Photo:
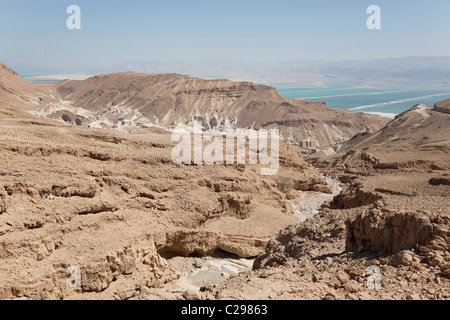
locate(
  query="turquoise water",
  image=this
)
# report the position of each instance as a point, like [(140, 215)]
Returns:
[(385, 101), (35, 78)]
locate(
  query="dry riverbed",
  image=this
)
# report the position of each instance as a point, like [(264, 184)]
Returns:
[(197, 272)]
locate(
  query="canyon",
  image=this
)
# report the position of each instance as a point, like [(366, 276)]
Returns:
[(87, 180)]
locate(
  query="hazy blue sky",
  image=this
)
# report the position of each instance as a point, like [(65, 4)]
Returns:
[(33, 32)]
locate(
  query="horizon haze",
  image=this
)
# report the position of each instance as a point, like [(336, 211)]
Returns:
[(112, 34)]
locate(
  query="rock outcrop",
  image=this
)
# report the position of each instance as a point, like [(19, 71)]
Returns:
[(442, 106), (392, 232)]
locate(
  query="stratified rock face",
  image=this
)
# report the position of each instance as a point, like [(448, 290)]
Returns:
[(389, 232), (138, 102), (443, 106), (419, 126), (392, 219), (320, 236), (115, 206), (354, 197), (17, 95), (188, 242)]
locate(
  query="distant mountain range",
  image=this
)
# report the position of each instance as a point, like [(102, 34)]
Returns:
[(139, 102), (411, 71)]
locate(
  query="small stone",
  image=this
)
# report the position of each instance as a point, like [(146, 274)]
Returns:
[(352, 272), (404, 258), (306, 264), (437, 261), (334, 283), (413, 297), (365, 296), (130, 265), (445, 271), (329, 297), (351, 286), (352, 297), (192, 295), (424, 249), (414, 277), (370, 263), (343, 277)]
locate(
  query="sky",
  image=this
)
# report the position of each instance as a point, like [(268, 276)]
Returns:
[(34, 33)]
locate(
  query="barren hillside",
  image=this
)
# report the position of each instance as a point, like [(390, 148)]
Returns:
[(17, 95), (392, 221), (116, 206), (420, 126), (443, 106), (134, 102)]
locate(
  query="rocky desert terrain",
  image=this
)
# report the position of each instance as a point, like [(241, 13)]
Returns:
[(392, 220), (136, 103), (88, 181)]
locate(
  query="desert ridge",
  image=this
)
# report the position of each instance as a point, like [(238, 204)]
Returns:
[(139, 103)]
